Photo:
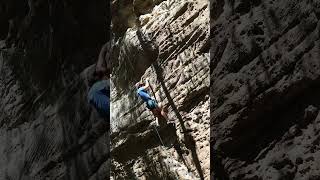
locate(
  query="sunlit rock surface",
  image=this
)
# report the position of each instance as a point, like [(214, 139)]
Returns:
[(168, 42)]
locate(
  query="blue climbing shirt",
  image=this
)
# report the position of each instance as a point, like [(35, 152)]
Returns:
[(143, 94), (99, 97), (151, 103)]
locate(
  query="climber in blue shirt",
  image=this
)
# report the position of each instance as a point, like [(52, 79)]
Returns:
[(99, 97), (157, 110), (99, 93)]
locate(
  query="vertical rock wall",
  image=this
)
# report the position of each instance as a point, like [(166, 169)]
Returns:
[(169, 43), (47, 128), (264, 88)]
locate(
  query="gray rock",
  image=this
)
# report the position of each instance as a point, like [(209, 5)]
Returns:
[(264, 77), (45, 51), (169, 45)]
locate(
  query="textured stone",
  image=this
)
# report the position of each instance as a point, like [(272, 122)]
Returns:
[(264, 79), (170, 45), (47, 128)]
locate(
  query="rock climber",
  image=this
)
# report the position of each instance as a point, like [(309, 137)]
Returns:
[(158, 111), (99, 93)]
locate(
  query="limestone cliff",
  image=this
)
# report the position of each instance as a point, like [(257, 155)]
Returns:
[(264, 89), (47, 128), (167, 41)]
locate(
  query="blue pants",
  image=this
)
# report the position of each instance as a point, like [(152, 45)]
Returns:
[(99, 97)]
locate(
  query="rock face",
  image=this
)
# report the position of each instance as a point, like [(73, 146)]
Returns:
[(264, 89), (168, 42), (47, 128)]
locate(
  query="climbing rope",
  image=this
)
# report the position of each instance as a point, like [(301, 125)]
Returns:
[(158, 135), (155, 117)]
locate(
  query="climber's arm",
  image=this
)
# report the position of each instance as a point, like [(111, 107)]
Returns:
[(101, 67), (147, 85)]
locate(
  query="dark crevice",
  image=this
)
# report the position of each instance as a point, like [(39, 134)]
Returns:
[(194, 98), (261, 123), (189, 141), (217, 169)]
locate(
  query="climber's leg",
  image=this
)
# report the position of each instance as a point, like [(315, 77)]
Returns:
[(156, 112), (164, 114)]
